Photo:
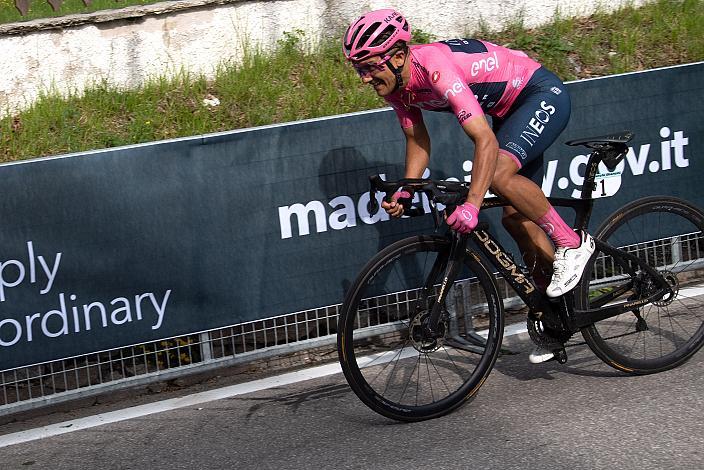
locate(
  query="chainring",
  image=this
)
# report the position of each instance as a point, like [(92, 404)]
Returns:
[(544, 337)]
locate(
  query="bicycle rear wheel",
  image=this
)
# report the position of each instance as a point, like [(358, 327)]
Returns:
[(666, 233), (388, 362)]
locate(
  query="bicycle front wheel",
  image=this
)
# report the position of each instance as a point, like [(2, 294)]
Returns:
[(665, 233), (392, 366)]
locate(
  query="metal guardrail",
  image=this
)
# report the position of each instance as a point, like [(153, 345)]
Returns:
[(51, 382), (92, 374)]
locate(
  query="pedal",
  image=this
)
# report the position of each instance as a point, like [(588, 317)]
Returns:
[(533, 315), (561, 356)]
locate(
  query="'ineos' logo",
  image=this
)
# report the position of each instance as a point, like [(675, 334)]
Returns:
[(536, 125)]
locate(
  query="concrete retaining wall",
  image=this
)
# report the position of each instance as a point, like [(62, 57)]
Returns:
[(127, 46)]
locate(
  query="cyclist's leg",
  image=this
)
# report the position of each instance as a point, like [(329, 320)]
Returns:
[(536, 248), (535, 121), (530, 237), (519, 185), (539, 116)]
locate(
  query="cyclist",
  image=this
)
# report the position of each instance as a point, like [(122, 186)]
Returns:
[(529, 107)]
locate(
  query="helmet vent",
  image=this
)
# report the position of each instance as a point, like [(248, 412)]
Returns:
[(352, 37), (375, 33), (384, 36), (367, 34), (361, 55)]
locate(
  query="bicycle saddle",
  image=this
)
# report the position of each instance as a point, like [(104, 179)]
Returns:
[(603, 141)]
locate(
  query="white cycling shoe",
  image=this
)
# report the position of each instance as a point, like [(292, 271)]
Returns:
[(540, 355), (569, 265)]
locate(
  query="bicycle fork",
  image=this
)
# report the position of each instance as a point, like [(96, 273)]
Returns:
[(431, 327)]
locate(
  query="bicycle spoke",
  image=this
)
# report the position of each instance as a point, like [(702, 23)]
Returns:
[(393, 361), (430, 382)]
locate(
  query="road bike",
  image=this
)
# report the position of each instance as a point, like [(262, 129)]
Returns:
[(422, 324)]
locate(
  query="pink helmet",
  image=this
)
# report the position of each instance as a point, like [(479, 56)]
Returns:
[(374, 33)]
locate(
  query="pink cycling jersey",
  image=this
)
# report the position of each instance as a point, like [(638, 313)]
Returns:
[(467, 77)]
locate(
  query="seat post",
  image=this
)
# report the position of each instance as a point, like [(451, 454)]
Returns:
[(588, 187)]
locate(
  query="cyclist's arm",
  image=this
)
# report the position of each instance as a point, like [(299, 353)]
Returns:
[(417, 157), (417, 150), (417, 138), (486, 153)]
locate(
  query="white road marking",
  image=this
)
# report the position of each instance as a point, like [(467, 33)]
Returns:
[(168, 405)]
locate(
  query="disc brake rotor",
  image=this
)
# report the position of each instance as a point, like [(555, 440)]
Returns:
[(674, 283), (421, 340)]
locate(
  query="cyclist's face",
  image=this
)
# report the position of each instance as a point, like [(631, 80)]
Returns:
[(374, 71)]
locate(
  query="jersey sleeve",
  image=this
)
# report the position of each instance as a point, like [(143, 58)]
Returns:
[(449, 83)]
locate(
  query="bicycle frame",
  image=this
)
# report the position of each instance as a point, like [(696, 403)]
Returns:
[(570, 319)]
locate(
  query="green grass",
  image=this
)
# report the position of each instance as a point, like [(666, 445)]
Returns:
[(42, 9), (663, 32), (295, 83)]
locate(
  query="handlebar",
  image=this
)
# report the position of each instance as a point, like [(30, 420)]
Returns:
[(448, 193)]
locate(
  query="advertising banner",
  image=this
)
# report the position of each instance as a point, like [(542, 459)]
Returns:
[(106, 249)]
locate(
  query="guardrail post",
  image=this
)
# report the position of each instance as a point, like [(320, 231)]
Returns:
[(676, 250), (206, 347)]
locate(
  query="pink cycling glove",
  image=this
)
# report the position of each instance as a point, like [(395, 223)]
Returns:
[(464, 219), (402, 194)]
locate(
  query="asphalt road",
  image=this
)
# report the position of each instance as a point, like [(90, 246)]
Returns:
[(578, 415)]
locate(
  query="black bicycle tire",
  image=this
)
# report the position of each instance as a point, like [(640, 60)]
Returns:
[(596, 343), (355, 378)]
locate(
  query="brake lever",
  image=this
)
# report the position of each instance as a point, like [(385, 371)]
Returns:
[(373, 204), (437, 218)]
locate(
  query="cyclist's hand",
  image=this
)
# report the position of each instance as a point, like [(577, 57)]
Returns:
[(464, 219), (395, 207)]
